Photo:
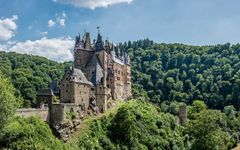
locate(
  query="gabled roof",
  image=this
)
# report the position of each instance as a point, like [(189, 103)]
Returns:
[(94, 61), (79, 77)]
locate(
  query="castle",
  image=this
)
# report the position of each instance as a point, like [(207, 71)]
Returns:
[(101, 71)]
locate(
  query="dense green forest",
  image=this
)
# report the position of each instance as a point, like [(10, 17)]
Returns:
[(183, 73), (206, 78), (160, 72), (28, 73), (140, 125), (136, 125)]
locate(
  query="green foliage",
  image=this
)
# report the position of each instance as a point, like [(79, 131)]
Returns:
[(28, 73), (30, 134), (8, 101), (183, 73), (137, 125), (71, 114), (196, 107), (206, 131), (138, 92)]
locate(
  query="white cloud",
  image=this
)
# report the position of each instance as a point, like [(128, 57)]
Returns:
[(92, 4), (51, 23), (59, 49), (61, 22), (43, 33), (7, 28)]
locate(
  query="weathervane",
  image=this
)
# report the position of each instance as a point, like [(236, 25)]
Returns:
[(98, 29)]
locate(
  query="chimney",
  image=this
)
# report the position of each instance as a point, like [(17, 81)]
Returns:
[(87, 40)]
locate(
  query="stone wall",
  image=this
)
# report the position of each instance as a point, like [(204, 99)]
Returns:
[(67, 88), (41, 113), (82, 95), (59, 112)]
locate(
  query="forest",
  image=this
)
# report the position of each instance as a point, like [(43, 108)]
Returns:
[(28, 73), (183, 73), (162, 72), (164, 76)]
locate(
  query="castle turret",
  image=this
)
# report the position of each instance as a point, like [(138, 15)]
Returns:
[(99, 44), (82, 52), (87, 41)]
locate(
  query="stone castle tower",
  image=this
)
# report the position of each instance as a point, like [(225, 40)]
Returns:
[(101, 71)]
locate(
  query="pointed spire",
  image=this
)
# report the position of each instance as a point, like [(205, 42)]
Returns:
[(99, 43), (79, 43)]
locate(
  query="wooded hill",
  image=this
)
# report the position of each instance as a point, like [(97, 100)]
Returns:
[(160, 72)]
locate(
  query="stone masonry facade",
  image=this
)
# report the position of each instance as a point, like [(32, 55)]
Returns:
[(101, 71)]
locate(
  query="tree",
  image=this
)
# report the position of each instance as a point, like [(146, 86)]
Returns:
[(28, 133), (205, 131), (8, 101)]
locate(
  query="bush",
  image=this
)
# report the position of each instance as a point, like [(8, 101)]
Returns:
[(28, 133)]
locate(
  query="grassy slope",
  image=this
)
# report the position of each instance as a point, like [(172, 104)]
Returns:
[(84, 128)]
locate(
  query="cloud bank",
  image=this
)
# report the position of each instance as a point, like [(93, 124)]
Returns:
[(58, 49), (92, 4), (7, 28)]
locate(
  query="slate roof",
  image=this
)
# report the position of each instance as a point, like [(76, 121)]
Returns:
[(45, 92), (94, 61), (97, 75), (54, 86), (95, 65), (99, 43), (79, 77)]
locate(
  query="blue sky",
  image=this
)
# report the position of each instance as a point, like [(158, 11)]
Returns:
[(48, 24)]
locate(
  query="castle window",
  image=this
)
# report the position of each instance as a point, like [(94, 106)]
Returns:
[(92, 89), (85, 92), (82, 99), (84, 85)]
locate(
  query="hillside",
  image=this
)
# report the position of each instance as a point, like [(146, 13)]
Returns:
[(141, 125), (160, 72), (183, 73), (28, 72)]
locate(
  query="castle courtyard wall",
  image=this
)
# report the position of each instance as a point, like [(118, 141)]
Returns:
[(41, 113)]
